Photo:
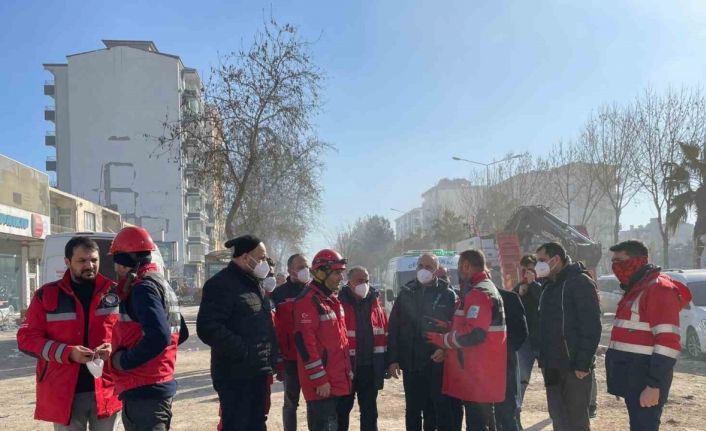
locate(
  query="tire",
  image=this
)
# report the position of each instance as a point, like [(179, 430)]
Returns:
[(693, 345)]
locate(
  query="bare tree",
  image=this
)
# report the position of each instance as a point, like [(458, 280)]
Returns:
[(610, 137), (255, 135)]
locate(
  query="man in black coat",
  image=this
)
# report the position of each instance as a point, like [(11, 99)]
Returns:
[(506, 412), (570, 329), (235, 320)]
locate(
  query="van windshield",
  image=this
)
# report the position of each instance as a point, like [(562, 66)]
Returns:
[(698, 291), (106, 262)]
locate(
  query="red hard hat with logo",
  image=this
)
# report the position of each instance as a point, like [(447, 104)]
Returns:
[(328, 258), (132, 239)]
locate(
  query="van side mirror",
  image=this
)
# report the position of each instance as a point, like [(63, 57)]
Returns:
[(687, 306), (389, 295)]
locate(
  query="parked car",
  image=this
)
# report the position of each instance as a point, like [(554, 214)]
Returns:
[(693, 319), (610, 293)]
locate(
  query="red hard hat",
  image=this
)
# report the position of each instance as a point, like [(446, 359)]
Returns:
[(132, 239), (331, 259)]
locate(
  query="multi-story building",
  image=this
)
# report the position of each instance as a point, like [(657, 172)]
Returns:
[(456, 195), (110, 105), (408, 223)]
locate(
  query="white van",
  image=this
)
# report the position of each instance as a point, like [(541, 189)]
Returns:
[(53, 267)]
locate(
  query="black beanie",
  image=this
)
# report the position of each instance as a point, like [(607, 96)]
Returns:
[(243, 244)]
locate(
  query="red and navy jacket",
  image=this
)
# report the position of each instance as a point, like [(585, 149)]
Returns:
[(475, 368), (378, 322), (322, 342), (54, 323), (147, 362), (283, 298), (645, 342)]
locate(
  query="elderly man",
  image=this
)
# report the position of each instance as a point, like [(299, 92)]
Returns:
[(366, 325), (423, 305)]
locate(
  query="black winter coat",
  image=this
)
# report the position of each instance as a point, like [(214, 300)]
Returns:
[(569, 321), (415, 312), (515, 321), (530, 301), (236, 321)]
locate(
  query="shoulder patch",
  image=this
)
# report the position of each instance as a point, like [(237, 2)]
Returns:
[(473, 311)]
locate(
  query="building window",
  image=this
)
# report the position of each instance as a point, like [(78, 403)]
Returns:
[(194, 227), (17, 198), (89, 221), (196, 253), (193, 204)]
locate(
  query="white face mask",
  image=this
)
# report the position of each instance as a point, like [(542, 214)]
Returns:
[(362, 290), (425, 276), (261, 269), (304, 276), (542, 269), (269, 284), (95, 367)]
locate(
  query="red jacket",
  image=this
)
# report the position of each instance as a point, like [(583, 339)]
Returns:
[(475, 369), (53, 324), (645, 341), (378, 320), (322, 343), (128, 333), (283, 297)]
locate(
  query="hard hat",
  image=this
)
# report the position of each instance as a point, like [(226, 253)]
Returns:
[(132, 239), (328, 259)]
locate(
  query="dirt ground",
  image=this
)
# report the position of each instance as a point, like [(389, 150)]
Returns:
[(196, 406)]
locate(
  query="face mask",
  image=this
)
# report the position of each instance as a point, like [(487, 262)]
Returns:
[(542, 269), (304, 276), (269, 284), (625, 269), (95, 367), (261, 269), (425, 276), (362, 290)]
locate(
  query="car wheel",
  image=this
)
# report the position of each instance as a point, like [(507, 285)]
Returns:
[(693, 346)]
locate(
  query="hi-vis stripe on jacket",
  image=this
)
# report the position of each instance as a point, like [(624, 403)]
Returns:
[(322, 343), (645, 343)]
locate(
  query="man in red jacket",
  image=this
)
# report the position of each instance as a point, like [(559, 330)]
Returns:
[(283, 298), (322, 342), (644, 343), (475, 371), (68, 325)]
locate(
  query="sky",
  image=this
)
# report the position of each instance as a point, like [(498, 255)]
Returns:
[(409, 84)]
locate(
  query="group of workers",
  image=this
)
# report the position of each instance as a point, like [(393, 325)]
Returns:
[(102, 347)]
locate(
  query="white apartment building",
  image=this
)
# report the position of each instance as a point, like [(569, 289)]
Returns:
[(456, 195), (109, 106), (408, 223)]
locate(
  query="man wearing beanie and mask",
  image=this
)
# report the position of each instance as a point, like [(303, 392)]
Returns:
[(424, 304), (146, 337), (235, 320), (322, 343), (644, 343)]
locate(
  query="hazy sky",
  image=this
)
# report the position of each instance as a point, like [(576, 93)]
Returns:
[(409, 83)]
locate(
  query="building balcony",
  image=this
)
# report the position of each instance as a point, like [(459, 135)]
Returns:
[(197, 238), (49, 113), (51, 164), (50, 139), (49, 88), (59, 228)]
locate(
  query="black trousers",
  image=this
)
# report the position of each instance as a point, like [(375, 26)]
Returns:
[(147, 415), (322, 415), (423, 399), (479, 417), (292, 389), (568, 398), (243, 404), (641, 418), (506, 412), (366, 390)]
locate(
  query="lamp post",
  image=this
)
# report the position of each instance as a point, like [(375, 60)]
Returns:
[(487, 165)]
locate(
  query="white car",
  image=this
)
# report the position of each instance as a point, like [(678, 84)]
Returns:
[(693, 319), (610, 293)]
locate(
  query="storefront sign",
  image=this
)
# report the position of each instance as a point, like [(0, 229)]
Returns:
[(19, 222)]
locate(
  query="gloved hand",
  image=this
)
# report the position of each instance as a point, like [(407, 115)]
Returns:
[(435, 338)]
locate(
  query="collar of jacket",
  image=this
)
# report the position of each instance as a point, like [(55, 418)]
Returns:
[(648, 271), (294, 283), (245, 276), (99, 285), (321, 289)]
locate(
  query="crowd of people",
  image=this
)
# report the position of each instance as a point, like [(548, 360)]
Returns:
[(463, 354)]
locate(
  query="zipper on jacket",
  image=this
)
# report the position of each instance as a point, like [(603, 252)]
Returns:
[(44, 371)]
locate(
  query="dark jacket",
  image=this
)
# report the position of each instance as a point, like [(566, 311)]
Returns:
[(236, 321), (569, 321), (515, 321), (530, 301), (417, 310)]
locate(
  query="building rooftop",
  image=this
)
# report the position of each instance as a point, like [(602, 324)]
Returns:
[(145, 45)]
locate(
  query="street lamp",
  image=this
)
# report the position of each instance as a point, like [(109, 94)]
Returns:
[(487, 165), (399, 211)]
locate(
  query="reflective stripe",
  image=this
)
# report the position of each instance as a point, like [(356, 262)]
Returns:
[(635, 308), (459, 313), (455, 341), (351, 333), (58, 317), (45, 350), (379, 331), (351, 352), (175, 329), (124, 317), (631, 348), (666, 351), (106, 311), (497, 328), (380, 349), (317, 375), (665, 328), (329, 316), (446, 340), (311, 365), (59, 351), (631, 324)]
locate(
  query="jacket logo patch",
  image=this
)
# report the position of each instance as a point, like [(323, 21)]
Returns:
[(110, 300), (305, 318), (473, 312)]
